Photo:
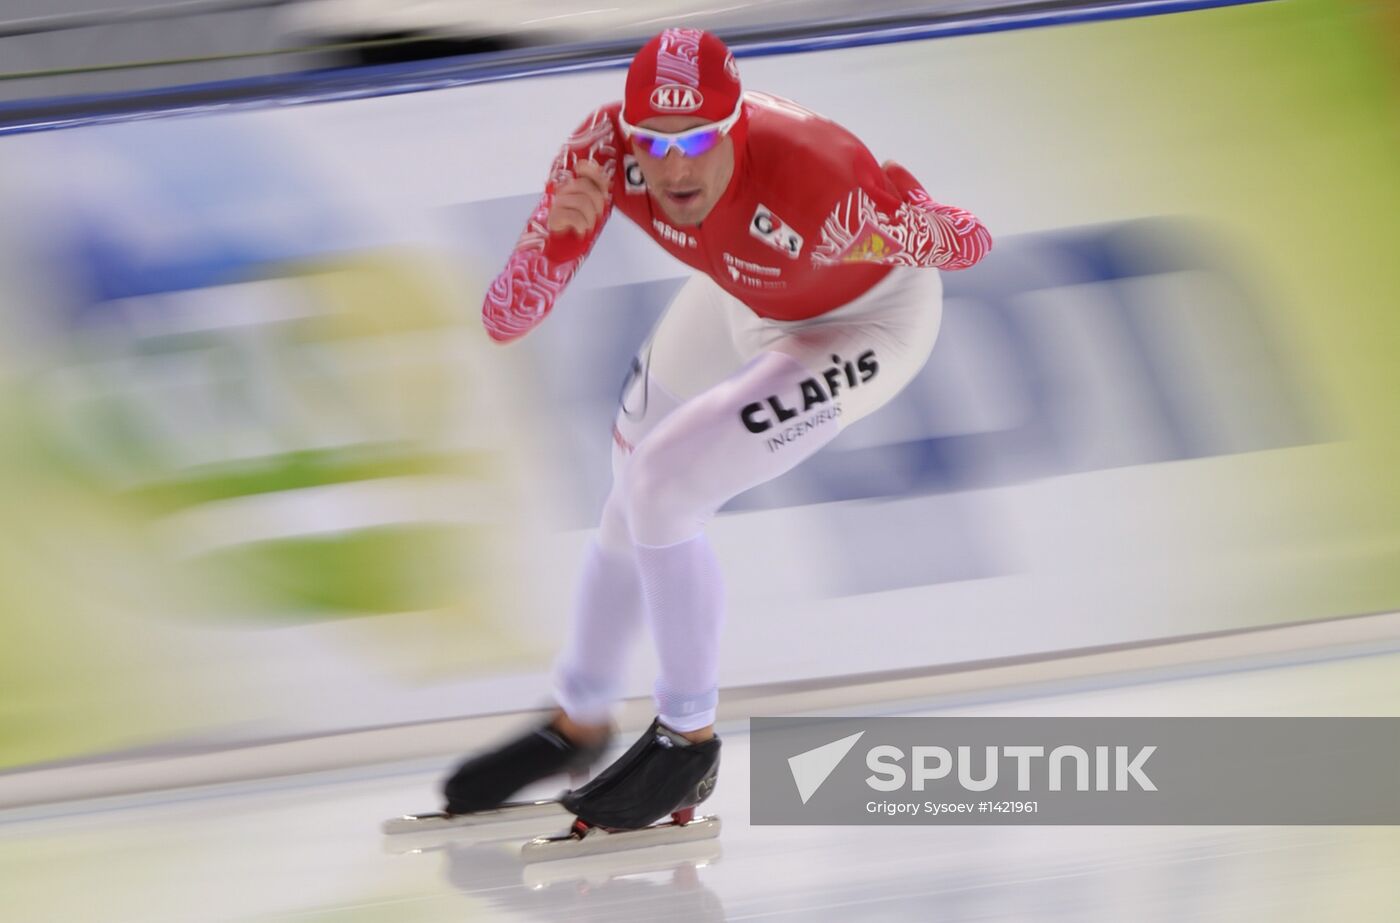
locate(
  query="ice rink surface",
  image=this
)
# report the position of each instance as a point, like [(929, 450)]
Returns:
[(308, 848)]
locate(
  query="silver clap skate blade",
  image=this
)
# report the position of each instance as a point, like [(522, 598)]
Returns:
[(597, 840), (597, 871), (511, 811)]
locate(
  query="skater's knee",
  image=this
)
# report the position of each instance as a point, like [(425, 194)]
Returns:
[(660, 509), (664, 492), (679, 475), (614, 534)]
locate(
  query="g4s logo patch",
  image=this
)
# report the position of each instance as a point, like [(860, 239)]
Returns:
[(770, 229)]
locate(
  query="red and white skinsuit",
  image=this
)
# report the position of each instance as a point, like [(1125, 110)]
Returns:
[(836, 222), (813, 305)]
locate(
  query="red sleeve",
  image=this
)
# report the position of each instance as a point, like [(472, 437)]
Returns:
[(542, 263), (889, 218)]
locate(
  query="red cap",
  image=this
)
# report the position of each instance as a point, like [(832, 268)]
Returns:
[(682, 72)]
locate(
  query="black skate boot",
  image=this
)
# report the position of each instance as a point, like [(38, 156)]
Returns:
[(484, 782), (477, 790), (662, 773)]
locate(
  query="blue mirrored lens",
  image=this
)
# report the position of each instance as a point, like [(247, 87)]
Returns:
[(656, 147), (689, 146), (695, 145)]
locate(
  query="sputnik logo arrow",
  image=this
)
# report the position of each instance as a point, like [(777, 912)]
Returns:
[(811, 769)]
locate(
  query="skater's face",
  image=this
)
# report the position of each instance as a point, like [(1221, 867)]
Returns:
[(686, 188)]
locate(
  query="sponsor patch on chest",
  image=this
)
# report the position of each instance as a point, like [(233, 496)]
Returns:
[(770, 229), (754, 275), (673, 235)]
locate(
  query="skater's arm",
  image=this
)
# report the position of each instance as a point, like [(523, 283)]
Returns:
[(560, 233), (950, 237), (889, 218)]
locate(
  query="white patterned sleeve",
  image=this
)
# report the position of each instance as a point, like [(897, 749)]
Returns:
[(542, 264), (872, 225)]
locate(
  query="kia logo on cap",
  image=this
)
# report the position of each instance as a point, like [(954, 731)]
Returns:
[(675, 98)]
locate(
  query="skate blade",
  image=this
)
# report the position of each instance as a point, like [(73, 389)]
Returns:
[(597, 871), (512, 811), (597, 840)]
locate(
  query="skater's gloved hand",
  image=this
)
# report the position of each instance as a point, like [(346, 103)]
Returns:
[(580, 202)]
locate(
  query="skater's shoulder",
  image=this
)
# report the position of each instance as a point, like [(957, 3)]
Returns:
[(800, 152)]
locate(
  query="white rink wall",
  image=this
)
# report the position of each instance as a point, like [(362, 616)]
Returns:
[(281, 482)]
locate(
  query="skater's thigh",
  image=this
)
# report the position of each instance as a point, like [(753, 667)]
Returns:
[(746, 430), (690, 349), (805, 383), (861, 355)]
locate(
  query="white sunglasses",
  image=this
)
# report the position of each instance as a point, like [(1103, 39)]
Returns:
[(691, 143)]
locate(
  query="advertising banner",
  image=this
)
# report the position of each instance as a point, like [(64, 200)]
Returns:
[(266, 475)]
